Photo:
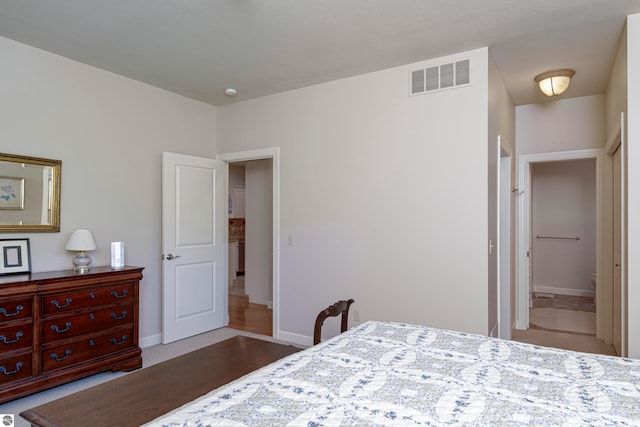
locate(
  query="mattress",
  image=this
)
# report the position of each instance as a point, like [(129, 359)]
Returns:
[(383, 373)]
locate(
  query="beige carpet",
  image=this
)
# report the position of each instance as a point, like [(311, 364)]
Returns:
[(563, 320), (565, 340)]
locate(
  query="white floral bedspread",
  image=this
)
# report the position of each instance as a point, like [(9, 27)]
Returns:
[(397, 374)]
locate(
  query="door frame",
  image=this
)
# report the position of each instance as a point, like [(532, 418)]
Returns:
[(272, 153), (504, 238), (616, 140), (523, 234)]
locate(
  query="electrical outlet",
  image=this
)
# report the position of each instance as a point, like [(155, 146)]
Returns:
[(356, 315)]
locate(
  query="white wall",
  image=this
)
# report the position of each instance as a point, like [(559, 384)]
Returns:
[(259, 233), (109, 132), (386, 195), (616, 94), (501, 121), (563, 125), (563, 203), (623, 82), (236, 179), (633, 185)]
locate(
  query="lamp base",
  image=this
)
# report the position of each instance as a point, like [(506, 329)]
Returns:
[(81, 263)]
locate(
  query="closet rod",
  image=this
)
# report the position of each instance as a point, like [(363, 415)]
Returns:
[(557, 237)]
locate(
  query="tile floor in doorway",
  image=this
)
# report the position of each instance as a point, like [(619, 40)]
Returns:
[(572, 327)]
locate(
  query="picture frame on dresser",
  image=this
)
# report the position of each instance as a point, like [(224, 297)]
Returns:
[(15, 256)]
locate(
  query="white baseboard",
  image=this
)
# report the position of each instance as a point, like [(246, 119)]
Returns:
[(149, 341), (258, 300), (591, 293), (298, 339), (494, 331)]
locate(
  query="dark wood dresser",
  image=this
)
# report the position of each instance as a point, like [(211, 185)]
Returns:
[(60, 326)]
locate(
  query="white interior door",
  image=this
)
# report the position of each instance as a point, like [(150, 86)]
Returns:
[(194, 267)]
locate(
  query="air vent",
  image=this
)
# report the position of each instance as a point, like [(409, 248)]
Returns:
[(444, 76)]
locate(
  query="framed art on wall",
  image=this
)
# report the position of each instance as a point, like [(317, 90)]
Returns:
[(11, 193), (15, 256)]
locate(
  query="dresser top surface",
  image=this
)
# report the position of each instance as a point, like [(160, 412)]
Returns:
[(17, 279)]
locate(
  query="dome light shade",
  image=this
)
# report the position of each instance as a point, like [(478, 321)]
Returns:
[(554, 82)]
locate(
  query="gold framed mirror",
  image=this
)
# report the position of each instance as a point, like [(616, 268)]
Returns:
[(29, 194)]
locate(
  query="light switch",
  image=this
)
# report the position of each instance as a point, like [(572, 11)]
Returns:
[(292, 239)]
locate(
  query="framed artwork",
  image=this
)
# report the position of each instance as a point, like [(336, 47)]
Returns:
[(11, 193), (15, 256)]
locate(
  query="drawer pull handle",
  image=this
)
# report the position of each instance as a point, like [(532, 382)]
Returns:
[(115, 342), (92, 316), (92, 295), (4, 338), (3, 369), (124, 314), (61, 331), (55, 357), (56, 304), (18, 310), (92, 343), (122, 295)]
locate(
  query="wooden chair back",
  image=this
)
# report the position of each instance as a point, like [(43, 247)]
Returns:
[(340, 307)]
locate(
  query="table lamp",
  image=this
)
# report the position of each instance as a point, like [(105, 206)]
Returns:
[(81, 241)]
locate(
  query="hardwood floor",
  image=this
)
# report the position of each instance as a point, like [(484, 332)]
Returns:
[(144, 395), (250, 317)]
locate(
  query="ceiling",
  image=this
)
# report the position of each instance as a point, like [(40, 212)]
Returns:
[(198, 48)]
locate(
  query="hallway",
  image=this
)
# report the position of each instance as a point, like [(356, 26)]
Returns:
[(247, 316)]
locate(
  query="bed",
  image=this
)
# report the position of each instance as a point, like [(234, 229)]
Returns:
[(382, 373)]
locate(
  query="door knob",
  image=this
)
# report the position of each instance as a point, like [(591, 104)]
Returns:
[(170, 256)]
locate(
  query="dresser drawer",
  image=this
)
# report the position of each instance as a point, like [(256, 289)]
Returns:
[(16, 337), (82, 323), (18, 309), (86, 350), (68, 301), (15, 368)]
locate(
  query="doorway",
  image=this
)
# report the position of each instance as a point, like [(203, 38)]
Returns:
[(250, 228), (262, 246), (526, 237), (563, 246)]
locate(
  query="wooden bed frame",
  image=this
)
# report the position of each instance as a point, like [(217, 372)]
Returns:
[(142, 396)]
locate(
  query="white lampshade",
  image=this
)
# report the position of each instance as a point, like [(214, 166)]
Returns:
[(81, 240), (554, 82)]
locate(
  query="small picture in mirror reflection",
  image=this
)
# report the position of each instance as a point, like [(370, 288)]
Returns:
[(11, 193)]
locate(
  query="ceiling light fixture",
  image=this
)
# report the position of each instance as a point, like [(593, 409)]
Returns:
[(230, 91), (554, 82)]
